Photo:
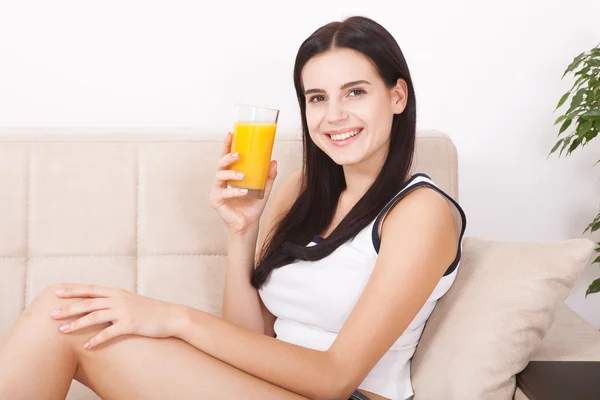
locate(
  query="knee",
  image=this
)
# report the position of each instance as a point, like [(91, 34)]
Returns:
[(38, 326), (45, 301), (37, 314)]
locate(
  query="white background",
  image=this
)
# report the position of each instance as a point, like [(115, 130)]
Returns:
[(488, 74)]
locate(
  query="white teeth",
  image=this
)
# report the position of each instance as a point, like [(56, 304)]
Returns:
[(344, 136)]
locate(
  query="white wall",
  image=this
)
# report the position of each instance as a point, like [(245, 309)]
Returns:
[(486, 74)]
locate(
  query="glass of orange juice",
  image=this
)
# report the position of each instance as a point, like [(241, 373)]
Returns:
[(253, 137)]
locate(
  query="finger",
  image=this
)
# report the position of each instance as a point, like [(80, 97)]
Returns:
[(227, 160), (230, 193), (219, 195), (95, 318), (272, 170), (221, 192), (81, 307), (87, 291), (105, 335), (227, 174), (226, 144)]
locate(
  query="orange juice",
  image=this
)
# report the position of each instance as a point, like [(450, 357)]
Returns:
[(254, 142)]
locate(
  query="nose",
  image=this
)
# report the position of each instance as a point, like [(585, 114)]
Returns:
[(336, 112)]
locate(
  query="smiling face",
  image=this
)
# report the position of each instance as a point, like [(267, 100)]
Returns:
[(349, 109)]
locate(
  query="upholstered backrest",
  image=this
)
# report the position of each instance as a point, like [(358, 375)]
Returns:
[(130, 210)]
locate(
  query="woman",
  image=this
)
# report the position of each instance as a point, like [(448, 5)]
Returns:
[(358, 253)]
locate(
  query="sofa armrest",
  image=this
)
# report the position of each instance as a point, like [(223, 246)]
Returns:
[(570, 338), (559, 380)]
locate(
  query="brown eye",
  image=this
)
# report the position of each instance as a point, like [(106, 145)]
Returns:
[(357, 92), (316, 99)]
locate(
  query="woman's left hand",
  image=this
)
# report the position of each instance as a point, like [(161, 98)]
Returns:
[(129, 313)]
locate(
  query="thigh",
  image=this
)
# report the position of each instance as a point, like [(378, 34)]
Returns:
[(129, 367), (134, 367)]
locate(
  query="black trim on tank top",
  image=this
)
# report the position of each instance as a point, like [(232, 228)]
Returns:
[(396, 198), (317, 239)]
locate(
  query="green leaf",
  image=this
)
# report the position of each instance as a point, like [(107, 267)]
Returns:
[(597, 125), (573, 146), (589, 96), (584, 128), (594, 63), (565, 144), (583, 71), (594, 225), (593, 288), (565, 125), (562, 100), (579, 81), (560, 119), (591, 115), (577, 99), (574, 64), (591, 227), (556, 146), (597, 260)]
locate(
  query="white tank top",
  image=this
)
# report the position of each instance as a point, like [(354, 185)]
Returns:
[(312, 299)]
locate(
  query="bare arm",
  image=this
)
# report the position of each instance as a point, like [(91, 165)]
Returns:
[(242, 305), (418, 244)]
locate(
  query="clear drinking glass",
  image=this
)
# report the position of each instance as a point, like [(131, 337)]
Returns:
[(253, 137)]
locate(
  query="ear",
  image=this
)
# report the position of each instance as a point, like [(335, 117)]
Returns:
[(399, 96)]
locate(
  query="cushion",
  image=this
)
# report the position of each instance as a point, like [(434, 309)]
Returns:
[(489, 324)]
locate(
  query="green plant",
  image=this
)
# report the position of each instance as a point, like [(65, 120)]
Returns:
[(584, 115)]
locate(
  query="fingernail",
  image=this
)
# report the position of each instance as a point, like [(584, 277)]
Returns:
[(243, 190), (239, 174), (60, 291), (55, 313), (64, 328), (86, 345), (235, 155)]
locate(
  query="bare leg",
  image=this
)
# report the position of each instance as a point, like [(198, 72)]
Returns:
[(39, 362), (35, 362)]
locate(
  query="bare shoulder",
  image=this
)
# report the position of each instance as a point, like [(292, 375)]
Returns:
[(420, 204), (424, 216), (426, 200)]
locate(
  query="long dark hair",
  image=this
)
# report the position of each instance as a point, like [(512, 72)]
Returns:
[(322, 179)]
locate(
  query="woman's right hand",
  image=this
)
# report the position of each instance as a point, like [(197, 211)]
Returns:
[(238, 213)]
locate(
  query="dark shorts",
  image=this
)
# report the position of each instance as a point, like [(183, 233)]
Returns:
[(358, 396)]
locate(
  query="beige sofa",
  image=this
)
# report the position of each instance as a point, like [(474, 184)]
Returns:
[(130, 209)]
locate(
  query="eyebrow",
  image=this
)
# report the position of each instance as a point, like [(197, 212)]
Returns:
[(344, 86)]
